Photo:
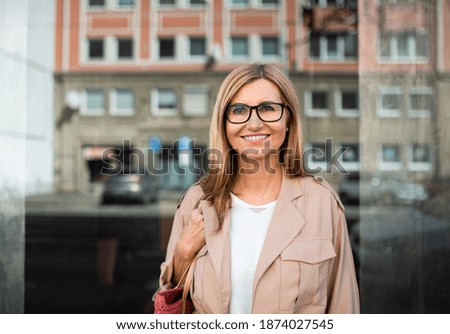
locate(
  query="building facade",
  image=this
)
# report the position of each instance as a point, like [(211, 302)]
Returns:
[(146, 73)]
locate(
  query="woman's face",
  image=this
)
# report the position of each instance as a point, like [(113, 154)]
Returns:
[(255, 138)]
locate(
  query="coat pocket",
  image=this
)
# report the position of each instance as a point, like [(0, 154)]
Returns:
[(304, 273)]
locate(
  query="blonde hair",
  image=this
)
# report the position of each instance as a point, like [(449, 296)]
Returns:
[(219, 182)]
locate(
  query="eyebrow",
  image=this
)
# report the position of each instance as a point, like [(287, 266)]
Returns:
[(263, 102)]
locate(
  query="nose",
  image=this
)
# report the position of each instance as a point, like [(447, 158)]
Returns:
[(254, 123)]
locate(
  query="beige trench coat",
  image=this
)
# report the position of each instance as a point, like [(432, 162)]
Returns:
[(305, 266)]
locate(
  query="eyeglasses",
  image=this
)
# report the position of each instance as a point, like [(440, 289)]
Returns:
[(267, 112)]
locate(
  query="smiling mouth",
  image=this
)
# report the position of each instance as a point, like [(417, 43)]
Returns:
[(255, 137)]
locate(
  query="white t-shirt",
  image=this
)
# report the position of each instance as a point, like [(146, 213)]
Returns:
[(249, 224)]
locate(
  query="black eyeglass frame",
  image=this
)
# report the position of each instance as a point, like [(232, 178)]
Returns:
[(282, 105)]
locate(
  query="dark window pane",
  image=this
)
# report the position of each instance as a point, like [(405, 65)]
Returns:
[(126, 3), (239, 46), (349, 100), (270, 46), (351, 45), (125, 48), (167, 2), (314, 46), (198, 47), (167, 48), (96, 3), (96, 49), (319, 100)]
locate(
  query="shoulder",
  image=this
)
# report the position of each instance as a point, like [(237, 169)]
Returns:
[(317, 184), (191, 196)]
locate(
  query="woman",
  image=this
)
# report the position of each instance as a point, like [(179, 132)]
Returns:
[(267, 237)]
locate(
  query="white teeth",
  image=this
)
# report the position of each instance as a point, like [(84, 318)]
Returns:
[(255, 137)]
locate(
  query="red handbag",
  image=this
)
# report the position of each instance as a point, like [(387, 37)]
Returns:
[(176, 300)]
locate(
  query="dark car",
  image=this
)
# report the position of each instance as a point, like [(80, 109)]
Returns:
[(380, 189), (131, 188)]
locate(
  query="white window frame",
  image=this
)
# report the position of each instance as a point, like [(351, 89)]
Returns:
[(310, 111), (113, 108), (196, 90), (419, 113), (156, 110), (389, 165), (423, 166), (350, 166), (389, 113), (340, 111), (84, 110)]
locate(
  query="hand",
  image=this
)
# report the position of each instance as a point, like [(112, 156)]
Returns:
[(191, 240), (193, 236)]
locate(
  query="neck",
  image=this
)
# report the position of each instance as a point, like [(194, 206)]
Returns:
[(259, 186)]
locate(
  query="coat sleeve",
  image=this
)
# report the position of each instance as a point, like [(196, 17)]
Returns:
[(184, 208), (343, 295)]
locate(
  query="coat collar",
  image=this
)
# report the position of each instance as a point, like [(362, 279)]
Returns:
[(286, 224)]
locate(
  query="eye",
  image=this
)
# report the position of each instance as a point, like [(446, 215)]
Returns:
[(238, 109), (266, 108)]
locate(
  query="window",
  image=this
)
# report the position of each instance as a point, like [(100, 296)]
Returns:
[(270, 2), (166, 48), (270, 46), (317, 104), (333, 46), (92, 102), (350, 157), (122, 102), (347, 104), (125, 48), (332, 3), (419, 157), (239, 47), (420, 102), (390, 158), (197, 46), (164, 102), (197, 3), (167, 2), (390, 102), (96, 3), (404, 46), (240, 3), (126, 3), (96, 49), (196, 101)]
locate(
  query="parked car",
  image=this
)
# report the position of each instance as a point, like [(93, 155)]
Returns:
[(131, 188), (380, 189)]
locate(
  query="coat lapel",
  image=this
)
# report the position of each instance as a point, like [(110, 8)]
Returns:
[(287, 222)]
